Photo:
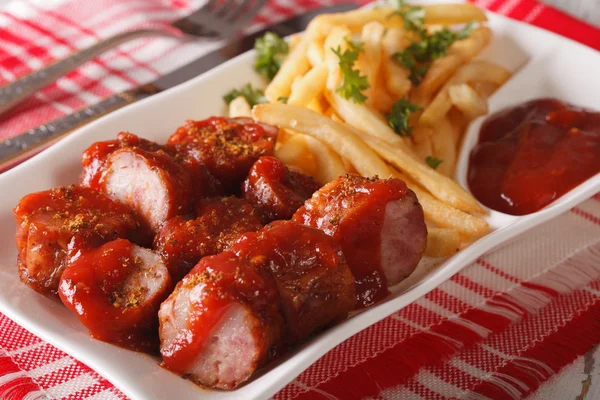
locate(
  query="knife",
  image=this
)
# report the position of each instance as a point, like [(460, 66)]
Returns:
[(27, 144)]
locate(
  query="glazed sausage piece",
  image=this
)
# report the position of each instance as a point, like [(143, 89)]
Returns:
[(221, 323), (51, 222), (116, 291), (380, 225), (94, 157), (219, 222), (316, 286), (226, 147), (275, 190), (153, 184), (226, 317)]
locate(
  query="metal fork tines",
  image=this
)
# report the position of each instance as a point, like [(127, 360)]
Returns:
[(217, 18)]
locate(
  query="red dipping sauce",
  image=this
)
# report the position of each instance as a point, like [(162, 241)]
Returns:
[(531, 154)]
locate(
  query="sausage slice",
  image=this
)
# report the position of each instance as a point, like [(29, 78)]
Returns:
[(94, 157), (221, 323), (219, 222), (226, 147), (226, 317), (276, 190), (116, 291), (51, 222), (153, 184), (316, 286), (380, 225)]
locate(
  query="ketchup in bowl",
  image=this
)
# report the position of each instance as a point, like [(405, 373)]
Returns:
[(531, 154)]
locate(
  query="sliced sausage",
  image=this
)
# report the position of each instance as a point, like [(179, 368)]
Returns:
[(226, 317), (276, 190), (116, 291), (226, 147), (221, 323), (153, 184), (51, 222), (219, 222), (316, 286), (94, 157), (380, 225)]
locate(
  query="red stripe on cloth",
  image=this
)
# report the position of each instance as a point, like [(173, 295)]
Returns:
[(424, 391), (30, 114), (473, 286), (419, 315), (447, 301), (522, 9), (431, 347), (46, 32), (556, 21), (586, 215), (90, 32), (14, 337), (90, 391), (17, 386), (557, 350), (497, 271)]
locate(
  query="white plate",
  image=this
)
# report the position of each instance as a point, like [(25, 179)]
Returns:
[(544, 64)]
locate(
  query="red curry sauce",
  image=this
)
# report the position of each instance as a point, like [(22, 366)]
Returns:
[(531, 154)]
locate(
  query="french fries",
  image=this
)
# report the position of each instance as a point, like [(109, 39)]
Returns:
[(293, 150), (396, 77), (443, 146), (442, 214), (309, 86), (315, 53), (475, 71), (442, 242), (442, 187), (239, 107), (363, 118), (450, 14), (328, 163), (336, 135), (466, 99), (325, 134), (370, 63), (441, 14), (443, 68), (296, 64)]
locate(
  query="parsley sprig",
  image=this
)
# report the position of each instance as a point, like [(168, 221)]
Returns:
[(398, 117), (270, 51), (419, 55), (412, 16), (252, 96), (433, 162), (354, 83)]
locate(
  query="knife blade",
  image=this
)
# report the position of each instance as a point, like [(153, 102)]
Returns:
[(29, 143)]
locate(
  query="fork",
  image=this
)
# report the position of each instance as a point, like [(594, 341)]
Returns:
[(217, 18)]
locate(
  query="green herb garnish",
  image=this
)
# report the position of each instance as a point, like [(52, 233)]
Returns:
[(270, 51), (353, 83), (252, 96), (433, 162), (417, 57), (412, 16), (283, 99), (398, 117)]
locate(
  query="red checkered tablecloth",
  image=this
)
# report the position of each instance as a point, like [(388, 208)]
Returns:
[(498, 329)]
